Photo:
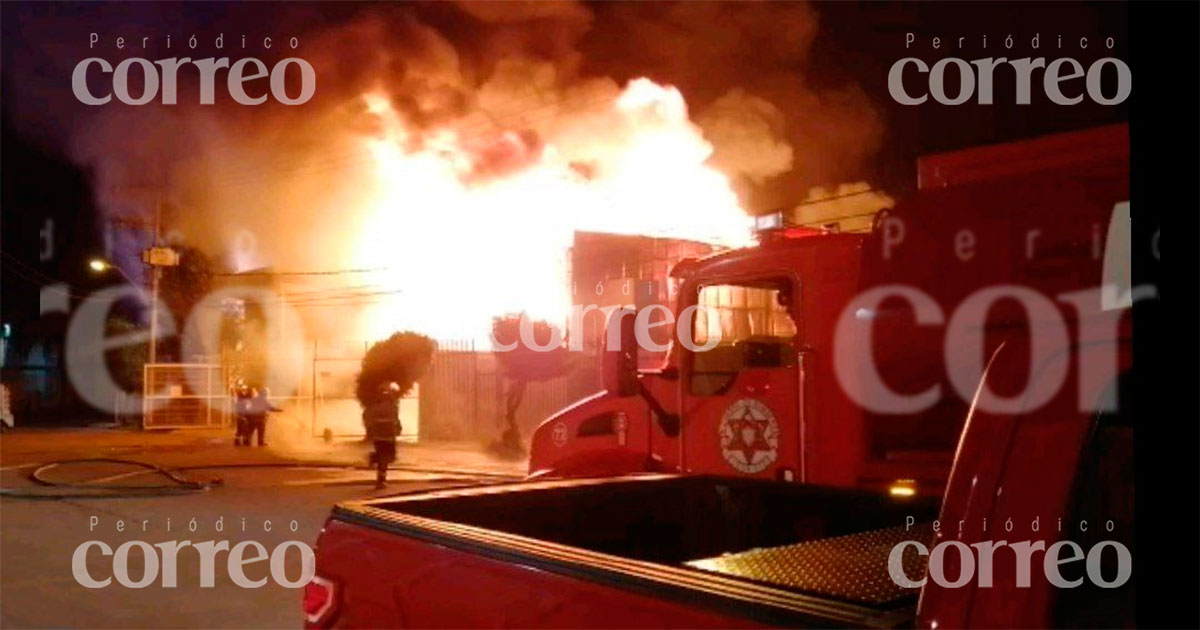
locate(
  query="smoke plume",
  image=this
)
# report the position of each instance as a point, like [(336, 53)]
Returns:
[(479, 116)]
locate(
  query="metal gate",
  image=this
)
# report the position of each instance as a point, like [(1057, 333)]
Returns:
[(462, 395), (336, 411), (184, 396)]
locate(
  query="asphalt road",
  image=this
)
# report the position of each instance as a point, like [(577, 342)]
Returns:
[(38, 539)]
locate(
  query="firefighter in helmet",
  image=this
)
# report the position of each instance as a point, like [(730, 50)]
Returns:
[(243, 396), (382, 421), (260, 408)]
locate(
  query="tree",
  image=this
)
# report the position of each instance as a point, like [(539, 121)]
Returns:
[(183, 287), (402, 358), (125, 361), (522, 364)]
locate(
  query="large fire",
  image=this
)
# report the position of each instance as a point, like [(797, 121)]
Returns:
[(472, 225), (459, 162)]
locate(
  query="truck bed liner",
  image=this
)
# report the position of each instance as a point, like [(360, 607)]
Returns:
[(851, 567)]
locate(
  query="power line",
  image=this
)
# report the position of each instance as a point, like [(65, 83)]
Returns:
[(838, 218), (336, 298), (39, 279), (809, 202), (329, 272)]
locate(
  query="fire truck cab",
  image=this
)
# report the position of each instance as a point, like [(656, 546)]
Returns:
[(766, 314)]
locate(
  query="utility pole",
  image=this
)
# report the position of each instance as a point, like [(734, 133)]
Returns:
[(156, 257), (155, 274)]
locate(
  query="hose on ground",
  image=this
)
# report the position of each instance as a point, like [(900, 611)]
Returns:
[(51, 489), (179, 485)]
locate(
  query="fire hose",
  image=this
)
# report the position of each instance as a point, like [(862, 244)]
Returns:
[(178, 484)]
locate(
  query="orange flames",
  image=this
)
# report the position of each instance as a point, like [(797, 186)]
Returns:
[(470, 226)]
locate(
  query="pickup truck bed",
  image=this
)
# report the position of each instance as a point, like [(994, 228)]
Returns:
[(637, 551)]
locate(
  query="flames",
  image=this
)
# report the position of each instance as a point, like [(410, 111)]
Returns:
[(463, 224), (459, 162)]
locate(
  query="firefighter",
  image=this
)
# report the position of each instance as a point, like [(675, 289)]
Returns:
[(243, 396), (382, 421), (260, 406)]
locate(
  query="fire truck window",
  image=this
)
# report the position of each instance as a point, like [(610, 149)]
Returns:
[(754, 328), (604, 424)]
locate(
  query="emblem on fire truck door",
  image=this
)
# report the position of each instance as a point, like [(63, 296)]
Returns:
[(749, 435)]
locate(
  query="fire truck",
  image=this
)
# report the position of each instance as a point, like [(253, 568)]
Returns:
[(956, 379), (995, 234)]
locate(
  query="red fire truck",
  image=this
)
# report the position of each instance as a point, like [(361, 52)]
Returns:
[(769, 400), (969, 354)]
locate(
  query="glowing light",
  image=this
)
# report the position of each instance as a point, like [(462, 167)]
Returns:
[(98, 265), (903, 488)]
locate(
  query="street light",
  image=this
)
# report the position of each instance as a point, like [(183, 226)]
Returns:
[(99, 265)]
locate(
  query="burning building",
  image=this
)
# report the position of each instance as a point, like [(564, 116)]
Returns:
[(459, 162), (453, 151), (613, 270)]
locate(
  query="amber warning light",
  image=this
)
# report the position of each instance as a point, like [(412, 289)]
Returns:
[(903, 488)]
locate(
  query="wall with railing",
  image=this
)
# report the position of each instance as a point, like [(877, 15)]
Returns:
[(460, 398)]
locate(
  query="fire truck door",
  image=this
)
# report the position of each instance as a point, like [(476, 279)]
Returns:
[(740, 401)]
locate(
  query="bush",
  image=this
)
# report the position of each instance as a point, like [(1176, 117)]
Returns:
[(402, 358)]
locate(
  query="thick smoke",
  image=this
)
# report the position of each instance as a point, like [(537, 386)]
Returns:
[(483, 68), (513, 85), (481, 116), (749, 52)]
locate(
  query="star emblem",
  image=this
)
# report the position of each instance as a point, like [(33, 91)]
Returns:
[(749, 435)]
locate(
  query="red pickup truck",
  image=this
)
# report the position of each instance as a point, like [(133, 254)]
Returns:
[(702, 551), (1034, 528)]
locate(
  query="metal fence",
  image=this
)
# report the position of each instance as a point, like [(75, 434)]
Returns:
[(184, 396), (462, 395), (335, 409)]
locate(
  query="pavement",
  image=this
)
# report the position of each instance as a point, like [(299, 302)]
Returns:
[(20, 447), (270, 495)]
